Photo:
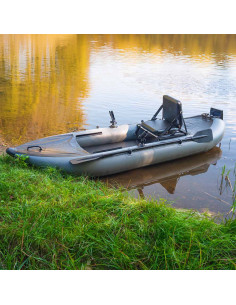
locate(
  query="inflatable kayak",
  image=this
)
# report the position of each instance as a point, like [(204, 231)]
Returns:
[(115, 149)]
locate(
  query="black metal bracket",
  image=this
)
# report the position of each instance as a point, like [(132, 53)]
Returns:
[(157, 112), (113, 120), (179, 129)]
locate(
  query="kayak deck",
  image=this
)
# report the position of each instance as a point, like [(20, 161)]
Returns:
[(193, 124)]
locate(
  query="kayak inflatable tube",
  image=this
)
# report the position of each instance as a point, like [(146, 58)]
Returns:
[(123, 159)]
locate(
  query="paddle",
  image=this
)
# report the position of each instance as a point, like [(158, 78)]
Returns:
[(203, 136)]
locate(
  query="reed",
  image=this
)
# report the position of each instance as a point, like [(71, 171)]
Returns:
[(50, 220), (226, 182)]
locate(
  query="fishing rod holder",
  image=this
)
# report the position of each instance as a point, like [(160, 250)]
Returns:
[(113, 120)]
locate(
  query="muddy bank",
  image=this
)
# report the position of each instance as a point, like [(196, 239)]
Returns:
[(3, 145)]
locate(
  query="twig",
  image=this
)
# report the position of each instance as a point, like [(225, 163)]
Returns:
[(227, 178), (231, 210), (218, 198)]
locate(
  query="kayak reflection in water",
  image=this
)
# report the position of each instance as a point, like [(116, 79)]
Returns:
[(167, 174)]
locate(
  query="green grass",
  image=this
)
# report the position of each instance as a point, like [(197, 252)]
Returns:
[(49, 220)]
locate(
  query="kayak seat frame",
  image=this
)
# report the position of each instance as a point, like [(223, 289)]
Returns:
[(172, 121)]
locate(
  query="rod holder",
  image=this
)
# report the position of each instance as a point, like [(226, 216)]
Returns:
[(113, 120)]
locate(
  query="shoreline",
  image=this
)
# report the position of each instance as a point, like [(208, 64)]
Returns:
[(55, 221)]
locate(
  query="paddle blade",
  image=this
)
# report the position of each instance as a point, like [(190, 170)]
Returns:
[(88, 159), (203, 136)]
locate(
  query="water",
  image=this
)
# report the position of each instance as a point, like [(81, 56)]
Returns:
[(52, 84)]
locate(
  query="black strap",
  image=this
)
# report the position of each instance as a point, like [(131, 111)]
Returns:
[(157, 112)]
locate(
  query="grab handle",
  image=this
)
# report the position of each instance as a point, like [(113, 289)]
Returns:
[(40, 148)]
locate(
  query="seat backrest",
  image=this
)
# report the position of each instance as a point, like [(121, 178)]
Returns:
[(172, 111)]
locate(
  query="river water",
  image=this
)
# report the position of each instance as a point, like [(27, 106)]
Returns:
[(52, 84)]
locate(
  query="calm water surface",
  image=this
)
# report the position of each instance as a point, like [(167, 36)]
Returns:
[(52, 84)]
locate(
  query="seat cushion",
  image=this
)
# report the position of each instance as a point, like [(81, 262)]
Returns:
[(156, 126)]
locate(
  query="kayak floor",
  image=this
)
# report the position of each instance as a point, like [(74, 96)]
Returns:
[(109, 147)]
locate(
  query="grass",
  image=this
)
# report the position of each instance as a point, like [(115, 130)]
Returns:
[(49, 220), (227, 183)]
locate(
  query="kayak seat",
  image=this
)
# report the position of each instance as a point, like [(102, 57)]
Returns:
[(172, 111), (156, 126), (172, 119), (152, 129)]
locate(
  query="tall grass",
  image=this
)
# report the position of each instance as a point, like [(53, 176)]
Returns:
[(49, 220), (226, 182)]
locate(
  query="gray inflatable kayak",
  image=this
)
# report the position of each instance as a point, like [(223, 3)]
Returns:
[(115, 149)]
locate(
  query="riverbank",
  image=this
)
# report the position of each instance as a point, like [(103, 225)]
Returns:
[(3, 146), (54, 221)]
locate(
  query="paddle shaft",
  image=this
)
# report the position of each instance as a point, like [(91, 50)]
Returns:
[(129, 150)]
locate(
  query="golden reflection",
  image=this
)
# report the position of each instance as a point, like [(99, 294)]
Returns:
[(43, 81), (216, 47)]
